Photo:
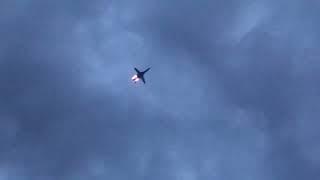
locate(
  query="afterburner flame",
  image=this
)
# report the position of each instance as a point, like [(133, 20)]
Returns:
[(135, 78)]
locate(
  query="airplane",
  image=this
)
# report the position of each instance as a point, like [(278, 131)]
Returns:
[(139, 75)]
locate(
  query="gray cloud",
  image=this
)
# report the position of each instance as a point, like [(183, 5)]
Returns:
[(232, 93)]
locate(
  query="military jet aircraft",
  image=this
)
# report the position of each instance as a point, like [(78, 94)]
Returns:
[(139, 75)]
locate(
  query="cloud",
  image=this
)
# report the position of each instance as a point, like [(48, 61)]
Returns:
[(210, 108)]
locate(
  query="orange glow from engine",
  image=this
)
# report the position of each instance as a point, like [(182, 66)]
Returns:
[(135, 78)]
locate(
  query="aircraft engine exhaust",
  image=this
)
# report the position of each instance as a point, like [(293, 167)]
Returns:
[(135, 78)]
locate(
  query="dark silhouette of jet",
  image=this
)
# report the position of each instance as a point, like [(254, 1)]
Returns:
[(139, 75)]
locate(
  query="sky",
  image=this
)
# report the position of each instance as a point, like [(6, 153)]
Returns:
[(233, 92)]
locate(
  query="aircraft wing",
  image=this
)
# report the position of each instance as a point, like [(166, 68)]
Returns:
[(137, 70), (143, 80)]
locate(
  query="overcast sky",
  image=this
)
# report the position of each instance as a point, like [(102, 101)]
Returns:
[(233, 92)]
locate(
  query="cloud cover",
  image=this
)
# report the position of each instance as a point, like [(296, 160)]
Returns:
[(232, 93)]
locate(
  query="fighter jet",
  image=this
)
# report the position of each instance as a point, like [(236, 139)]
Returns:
[(139, 75)]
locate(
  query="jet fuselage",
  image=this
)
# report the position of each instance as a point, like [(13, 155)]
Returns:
[(139, 75)]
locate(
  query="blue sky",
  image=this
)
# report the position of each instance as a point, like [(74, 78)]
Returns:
[(232, 93)]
